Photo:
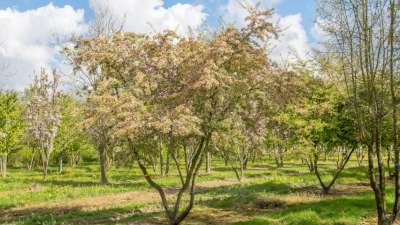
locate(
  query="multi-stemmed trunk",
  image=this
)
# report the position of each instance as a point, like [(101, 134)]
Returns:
[(46, 151), (45, 165), (32, 161), (340, 167), (175, 212)]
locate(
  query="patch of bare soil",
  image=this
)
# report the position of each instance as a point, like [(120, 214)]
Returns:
[(350, 188), (298, 198), (373, 221), (99, 202), (82, 204), (211, 216), (217, 183), (336, 190), (203, 216)]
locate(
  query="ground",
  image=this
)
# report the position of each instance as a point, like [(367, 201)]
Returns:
[(284, 196)]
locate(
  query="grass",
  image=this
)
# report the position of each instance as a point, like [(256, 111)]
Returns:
[(268, 195)]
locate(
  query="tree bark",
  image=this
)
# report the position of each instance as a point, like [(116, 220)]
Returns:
[(167, 164), (208, 162), (30, 166), (161, 163), (341, 165), (174, 213), (45, 162), (60, 164), (394, 97), (3, 165), (103, 166)]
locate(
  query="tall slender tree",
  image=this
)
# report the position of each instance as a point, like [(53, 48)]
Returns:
[(43, 113), (361, 36)]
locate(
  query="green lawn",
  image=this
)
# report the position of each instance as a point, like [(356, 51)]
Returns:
[(268, 195)]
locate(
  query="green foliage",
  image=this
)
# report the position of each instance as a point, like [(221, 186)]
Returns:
[(71, 142), (11, 122)]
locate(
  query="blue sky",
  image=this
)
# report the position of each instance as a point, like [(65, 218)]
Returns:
[(31, 29), (286, 7)]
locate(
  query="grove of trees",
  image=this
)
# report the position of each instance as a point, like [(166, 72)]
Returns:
[(172, 104)]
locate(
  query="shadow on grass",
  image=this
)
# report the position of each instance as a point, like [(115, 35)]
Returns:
[(75, 183), (238, 194), (65, 215), (339, 209), (346, 210)]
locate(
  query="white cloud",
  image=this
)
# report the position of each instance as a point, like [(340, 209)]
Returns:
[(292, 42), (318, 32), (151, 15), (29, 40)]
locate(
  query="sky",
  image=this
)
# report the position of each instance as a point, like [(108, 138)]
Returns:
[(33, 31)]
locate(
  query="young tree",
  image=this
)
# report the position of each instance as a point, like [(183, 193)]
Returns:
[(166, 90), (10, 127), (242, 137), (43, 113), (70, 137), (339, 136), (361, 36), (99, 123)]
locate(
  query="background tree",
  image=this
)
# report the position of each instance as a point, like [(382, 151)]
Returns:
[(338, 136), (70, 139), (43, 113), (11, 126), (361, 36), (242, 137)]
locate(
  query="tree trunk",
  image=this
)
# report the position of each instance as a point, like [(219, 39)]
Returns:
[(342, 164), (208, 162), (379, 201), (396, 153), (278, 161), (360, 156), (187, 159), (238, 173), (45, 168), (60, 164), (176, 214), (30, 166), (279, 158), (388, 161), (161, 164), (226, 158), (103, 166), (154, 162), (167, 163), (245, 163), (45, 162), (3, 164)]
